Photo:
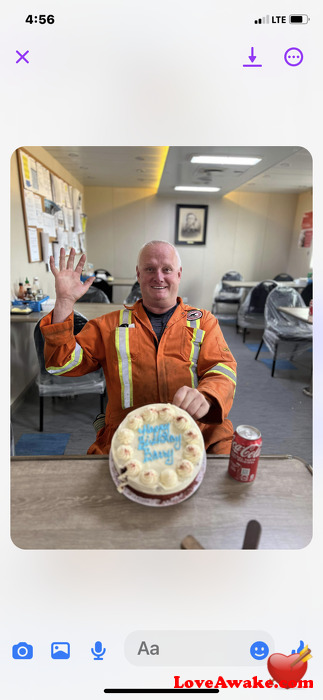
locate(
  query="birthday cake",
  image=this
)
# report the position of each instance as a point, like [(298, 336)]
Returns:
[(157, 451)]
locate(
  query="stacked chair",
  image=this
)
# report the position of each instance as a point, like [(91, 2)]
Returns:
[(134, 294), (95, 296), (283, 277), (224, 294), (100, 282), (251, 313), (284, 336)]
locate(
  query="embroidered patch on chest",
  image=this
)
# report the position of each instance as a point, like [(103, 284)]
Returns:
[(194, 314)]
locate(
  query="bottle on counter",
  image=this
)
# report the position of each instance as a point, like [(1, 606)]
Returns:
[(29, 294), (21, 291), (35, 287), (26, 286)]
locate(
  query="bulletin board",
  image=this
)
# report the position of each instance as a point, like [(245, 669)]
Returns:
[(53, 210)]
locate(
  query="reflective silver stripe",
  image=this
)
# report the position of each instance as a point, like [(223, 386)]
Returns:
[(194, 324), (124, 315), (76, 359), (197, 341), (220, 368), (124, 360)]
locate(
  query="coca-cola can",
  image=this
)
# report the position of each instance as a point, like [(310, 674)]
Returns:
[(310, 309), (245, 451)]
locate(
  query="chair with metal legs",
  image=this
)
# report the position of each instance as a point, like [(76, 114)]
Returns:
[(283, 334)]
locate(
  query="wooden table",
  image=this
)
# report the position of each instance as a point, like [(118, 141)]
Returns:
[(250, 284), (299, 312), (121, 281), (88, 309), (72, 503)]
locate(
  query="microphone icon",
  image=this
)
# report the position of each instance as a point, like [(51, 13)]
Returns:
[(98, 651)]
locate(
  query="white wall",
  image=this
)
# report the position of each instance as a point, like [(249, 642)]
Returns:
[(20, 265), (249, 232)]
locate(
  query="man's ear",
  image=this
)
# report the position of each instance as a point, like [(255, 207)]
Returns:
[(137, 272), (180, 273)]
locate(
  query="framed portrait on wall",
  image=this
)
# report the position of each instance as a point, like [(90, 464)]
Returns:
[(191, 221)]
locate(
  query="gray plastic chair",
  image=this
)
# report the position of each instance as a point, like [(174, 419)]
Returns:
[(49, 385), (95, 296), (284, 277), (283, 332), (224, 294), (251, 312), (134, 294)]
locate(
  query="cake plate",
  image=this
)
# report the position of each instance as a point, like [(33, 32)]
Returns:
[(162, 502)]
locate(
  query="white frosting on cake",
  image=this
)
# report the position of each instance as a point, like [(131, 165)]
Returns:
[(158, 450), (126, 437)]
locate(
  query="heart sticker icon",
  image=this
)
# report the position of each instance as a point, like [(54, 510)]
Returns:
[(281, 669)]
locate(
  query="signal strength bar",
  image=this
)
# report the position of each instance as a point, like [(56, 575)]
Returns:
[(263, 20)]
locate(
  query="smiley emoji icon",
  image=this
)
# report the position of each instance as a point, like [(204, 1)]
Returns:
[(293, 56), (259, 650)]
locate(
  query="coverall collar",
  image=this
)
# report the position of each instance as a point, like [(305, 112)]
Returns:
[(180, 311)]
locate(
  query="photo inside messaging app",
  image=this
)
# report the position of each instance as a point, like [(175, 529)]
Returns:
[(160, 497)]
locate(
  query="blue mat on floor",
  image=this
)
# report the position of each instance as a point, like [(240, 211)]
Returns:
[(280, 364), (254, 347), (42, 444)]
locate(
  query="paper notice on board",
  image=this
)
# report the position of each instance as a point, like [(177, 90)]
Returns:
[(26, 173), (33, 244), (77, 222), (34, 176), (57, 187), (47, 184), (77, 200), (56, 250), (66, 195), (70, 215), (49, 225), (46, 246), (61, 239), (30, 208), (39, 211)]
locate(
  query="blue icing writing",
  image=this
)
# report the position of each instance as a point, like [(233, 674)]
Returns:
[(167, 455), (150, 435)]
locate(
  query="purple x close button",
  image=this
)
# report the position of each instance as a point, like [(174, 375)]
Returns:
[(22, 56)]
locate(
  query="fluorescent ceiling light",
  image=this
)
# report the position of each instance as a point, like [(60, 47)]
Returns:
[(184, 188), (224, 160)]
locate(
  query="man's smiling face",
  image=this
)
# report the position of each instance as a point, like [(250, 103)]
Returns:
[(159, 275)]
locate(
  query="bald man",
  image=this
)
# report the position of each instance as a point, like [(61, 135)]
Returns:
[(159, 350)]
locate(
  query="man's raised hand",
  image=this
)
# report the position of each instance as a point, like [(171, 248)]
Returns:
[(68, 285)]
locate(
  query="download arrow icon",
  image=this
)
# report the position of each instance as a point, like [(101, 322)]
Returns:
[(252, 59)]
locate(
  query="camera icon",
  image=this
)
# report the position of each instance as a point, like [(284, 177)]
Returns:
[(22, 650)]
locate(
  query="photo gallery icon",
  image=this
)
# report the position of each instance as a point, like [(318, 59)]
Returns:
[(60, 650)]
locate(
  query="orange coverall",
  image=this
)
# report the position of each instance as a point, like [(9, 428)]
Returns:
[(191, 352)]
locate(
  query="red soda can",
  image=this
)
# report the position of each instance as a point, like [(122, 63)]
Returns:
[(245, 451), (310, 309)]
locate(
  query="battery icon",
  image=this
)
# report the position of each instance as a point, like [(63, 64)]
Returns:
[(298, 19)]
